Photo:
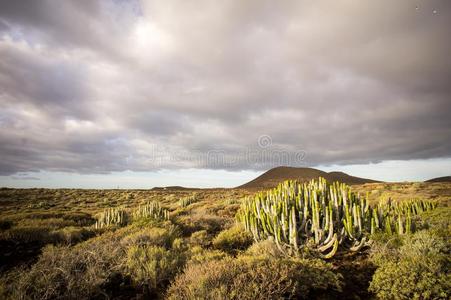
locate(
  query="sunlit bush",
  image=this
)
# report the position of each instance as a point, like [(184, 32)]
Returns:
[(153, 265), (233, 239), (419, 269), (253, 278), (201, 255), (156, 236)]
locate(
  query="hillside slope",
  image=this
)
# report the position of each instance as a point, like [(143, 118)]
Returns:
[(440, 179), (274, 176)]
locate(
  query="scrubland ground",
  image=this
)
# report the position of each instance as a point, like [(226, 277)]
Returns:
[(50, 248)]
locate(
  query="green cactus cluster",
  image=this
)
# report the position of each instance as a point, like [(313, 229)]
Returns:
[(184, 202), (121, 216), (398, 215), (111, 217), (323, 216), (152, 210)]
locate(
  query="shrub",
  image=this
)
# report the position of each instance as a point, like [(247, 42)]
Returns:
[(233, 239), (44, 235), (200, 238), (70, 272), (49, 223), (5, 224), (200, 255), (27, 234), (82, 219), (153, 265), (437, 220), (41, 204), (72, 235), (252, 278), (419, 269), (265, 248), (199, 221), (155, 236)]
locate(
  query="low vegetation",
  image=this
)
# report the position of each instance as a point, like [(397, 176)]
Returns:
[(250, 277), (416, 267), (227, 244)]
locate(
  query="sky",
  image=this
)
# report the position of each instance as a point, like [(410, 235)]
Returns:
[(136, 94)]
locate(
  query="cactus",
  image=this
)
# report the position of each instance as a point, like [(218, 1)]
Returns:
[(184, 202), (111, 217), (327, 216), (151, 210)]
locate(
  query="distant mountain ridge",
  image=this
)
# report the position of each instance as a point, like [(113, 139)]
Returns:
[(276, 175), (440, 179), (172, 188)]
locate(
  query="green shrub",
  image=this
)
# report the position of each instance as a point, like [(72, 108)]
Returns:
[(233, 239), (27, 234), (41, 204), (153, 265), (154, 236), (252, 278), (72, 235), (45, 235), (438, 221), (195, 222), (419, 269), (80, 218), (201, 255), (200, 238)]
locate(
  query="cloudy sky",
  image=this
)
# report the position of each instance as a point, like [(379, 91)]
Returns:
[(211, 93)]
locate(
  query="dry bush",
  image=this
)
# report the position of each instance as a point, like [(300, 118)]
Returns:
[(72, 235), (28, 234), (265, 248), (199, 221), (49, 223), (80, 218), (71, 272), (46, 235), (253, 278)]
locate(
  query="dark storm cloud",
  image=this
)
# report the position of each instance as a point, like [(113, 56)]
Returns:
[(52, 84), (62, 24), (100, 86)]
